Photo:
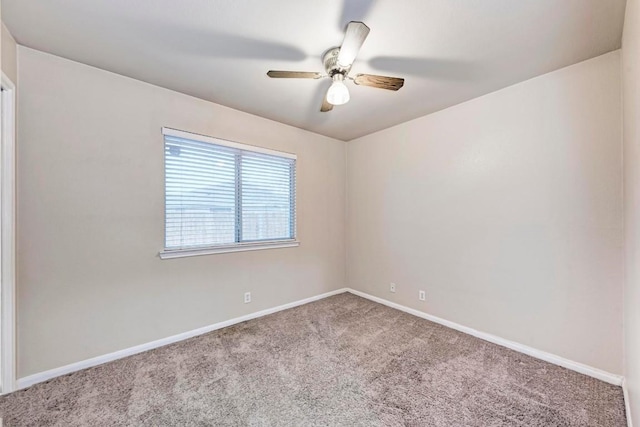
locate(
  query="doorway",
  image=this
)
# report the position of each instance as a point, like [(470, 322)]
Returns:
[(7, 236)]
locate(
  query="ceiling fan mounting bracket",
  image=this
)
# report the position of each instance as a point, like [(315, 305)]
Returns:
[(330, 62)]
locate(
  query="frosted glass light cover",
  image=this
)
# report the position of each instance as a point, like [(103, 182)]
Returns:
[(338, 93)]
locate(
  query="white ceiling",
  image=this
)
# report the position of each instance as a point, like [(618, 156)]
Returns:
[(448, 51)]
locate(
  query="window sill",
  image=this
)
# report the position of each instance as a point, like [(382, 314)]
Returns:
[(242, 247)]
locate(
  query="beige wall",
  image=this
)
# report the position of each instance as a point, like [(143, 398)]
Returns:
[(506, 209), (9, 55), (90, 210), (631, 131)]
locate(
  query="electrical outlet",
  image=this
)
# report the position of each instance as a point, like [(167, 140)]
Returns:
[(422, 295), (247, 297), (392, 287)]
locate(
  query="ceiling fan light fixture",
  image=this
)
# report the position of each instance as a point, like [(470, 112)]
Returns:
[(338, 93), (337, 63)]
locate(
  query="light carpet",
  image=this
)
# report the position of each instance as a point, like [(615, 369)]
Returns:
[(340, 361)]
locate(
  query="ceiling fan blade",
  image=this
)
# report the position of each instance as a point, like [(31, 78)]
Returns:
[(381, 82), (354, 37), (293, 75), (326, 106)]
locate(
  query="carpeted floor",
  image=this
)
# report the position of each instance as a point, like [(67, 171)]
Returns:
[(341, 361)]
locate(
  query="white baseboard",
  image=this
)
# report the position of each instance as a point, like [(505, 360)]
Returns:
[(627, 403), (538, 354), (548, 357), (94, 361)]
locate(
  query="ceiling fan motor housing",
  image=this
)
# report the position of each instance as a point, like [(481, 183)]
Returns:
[(330, 61)]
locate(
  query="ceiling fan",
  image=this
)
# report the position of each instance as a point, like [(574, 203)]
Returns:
[(337, 63)]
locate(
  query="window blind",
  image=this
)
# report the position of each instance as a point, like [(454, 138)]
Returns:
[(217, 193)]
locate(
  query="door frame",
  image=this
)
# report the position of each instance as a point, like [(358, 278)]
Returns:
[(8, 237)]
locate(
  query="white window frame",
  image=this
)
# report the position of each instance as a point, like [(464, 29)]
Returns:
[(231, 247)]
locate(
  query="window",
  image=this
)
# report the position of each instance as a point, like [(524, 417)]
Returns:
[(221, 196)]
